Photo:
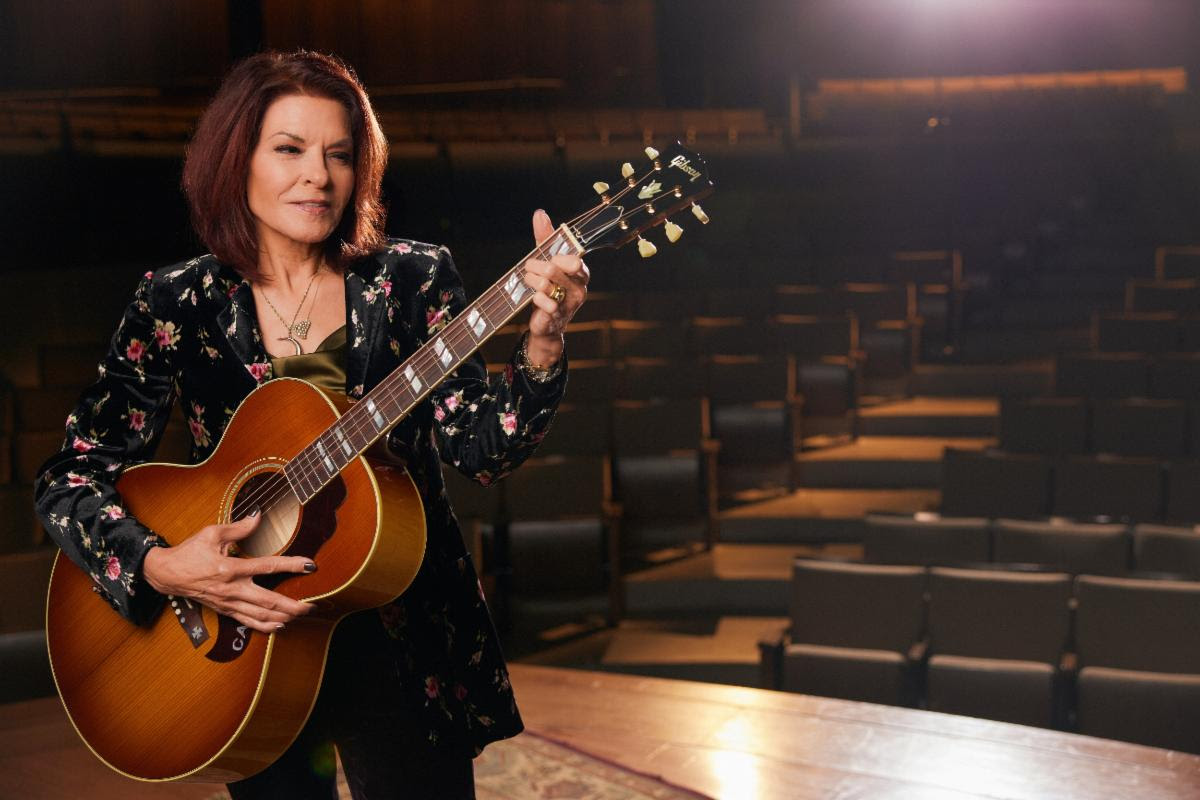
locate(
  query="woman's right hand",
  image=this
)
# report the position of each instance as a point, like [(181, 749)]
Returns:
[(201, 568)]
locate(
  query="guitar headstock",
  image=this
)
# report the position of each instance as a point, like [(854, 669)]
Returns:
[(644, 197)]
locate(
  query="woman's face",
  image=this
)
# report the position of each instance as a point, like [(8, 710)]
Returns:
[(301, 172)]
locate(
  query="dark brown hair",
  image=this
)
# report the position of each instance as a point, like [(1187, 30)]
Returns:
[(217, 164)]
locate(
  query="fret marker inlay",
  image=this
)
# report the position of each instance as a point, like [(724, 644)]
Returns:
[(325, 457), (413, 380), (346, 448), (476, 323), (443, 353), (516, 289), (380, 422)]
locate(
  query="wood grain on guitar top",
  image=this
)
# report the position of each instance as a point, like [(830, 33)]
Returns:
[(152, 705)]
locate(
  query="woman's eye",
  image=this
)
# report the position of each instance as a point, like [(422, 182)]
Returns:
[(344, 158), (287, 148)]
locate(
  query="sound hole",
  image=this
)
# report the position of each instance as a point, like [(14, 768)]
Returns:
[(288, 528), (280, 517)]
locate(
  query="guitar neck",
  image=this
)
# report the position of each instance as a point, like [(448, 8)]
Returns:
[(397, 394)]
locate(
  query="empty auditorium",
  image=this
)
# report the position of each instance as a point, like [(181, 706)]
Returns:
[(631, 399)]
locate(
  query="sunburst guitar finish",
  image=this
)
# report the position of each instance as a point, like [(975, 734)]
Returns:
[(196, 696)]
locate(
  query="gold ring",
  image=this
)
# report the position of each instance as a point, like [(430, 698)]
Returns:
[(558, 293)]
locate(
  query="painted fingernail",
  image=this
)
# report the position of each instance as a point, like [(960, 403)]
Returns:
[(280, 627), (254, 512), (310, 566)]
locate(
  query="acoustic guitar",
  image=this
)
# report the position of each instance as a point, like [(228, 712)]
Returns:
[(197, 696)]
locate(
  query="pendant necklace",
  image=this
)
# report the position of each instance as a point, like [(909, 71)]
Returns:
[(296, 330)]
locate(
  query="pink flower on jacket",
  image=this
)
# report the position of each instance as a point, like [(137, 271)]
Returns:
[(137, 419), (82, 445), (401, 248), (435, 318), (432, 688), (259, 370), (77, 480), (135, 350), (199, 432), (165, 334), (113, 512), (112, 568), (508, 421), (387, 288), (438, 413), (460, 691), (452, 401)]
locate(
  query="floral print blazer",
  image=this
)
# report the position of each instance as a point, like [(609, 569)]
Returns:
[(191, 333)]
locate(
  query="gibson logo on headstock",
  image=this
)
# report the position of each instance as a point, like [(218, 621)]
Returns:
[(682, 162)]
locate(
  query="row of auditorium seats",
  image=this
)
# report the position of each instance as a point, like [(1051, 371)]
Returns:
[(994, 483), (1176, 262), (1121, 426), (870, 302), (1096, 548), (92, 119), (773, 398), (1168, 375), (570, 525), (1180, 295), (1145, 332), (1112, 657)]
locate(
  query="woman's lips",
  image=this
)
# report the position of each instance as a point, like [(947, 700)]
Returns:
[(312, 208)]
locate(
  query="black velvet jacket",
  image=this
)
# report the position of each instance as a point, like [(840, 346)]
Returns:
[(191, 333)]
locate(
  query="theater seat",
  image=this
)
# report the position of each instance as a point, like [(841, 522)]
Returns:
[(564, 534), (1139, 647), (991, 483), (1151, 708), (1136, 332), (997, 641), (1140, 427), (1074, 547), (929, 539), (1167, 549), (855, 631), (1050, 425), (1102, 375), (1119, 488)]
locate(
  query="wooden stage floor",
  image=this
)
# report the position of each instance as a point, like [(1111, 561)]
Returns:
[(721, 741)]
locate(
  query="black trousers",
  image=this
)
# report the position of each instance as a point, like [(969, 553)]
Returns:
[(384, 755)]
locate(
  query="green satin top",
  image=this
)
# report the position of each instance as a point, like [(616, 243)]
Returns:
[(323, 367)]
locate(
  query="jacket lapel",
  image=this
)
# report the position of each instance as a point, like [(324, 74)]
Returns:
[(238, 323), (367, 324)]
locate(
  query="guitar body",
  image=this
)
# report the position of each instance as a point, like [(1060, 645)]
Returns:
[(196, 696)]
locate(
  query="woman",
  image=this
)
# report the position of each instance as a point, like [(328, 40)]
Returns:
[(283, 178)]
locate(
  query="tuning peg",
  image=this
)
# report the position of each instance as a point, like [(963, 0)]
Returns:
[(673, 231), (646, 247), (626, 170), (699, 213), (600, 186), (651, 153)]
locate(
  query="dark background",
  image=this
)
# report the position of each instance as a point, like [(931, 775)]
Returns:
[(801, 201)]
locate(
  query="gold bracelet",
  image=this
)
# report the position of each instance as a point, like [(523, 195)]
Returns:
[(536, 372)]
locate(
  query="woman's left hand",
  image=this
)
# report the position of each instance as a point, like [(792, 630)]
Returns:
[(549, 316)]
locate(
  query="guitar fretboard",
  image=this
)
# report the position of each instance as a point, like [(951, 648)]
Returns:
[(398, 393)]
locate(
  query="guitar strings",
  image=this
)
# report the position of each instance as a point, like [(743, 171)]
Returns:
[(278, 485)]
